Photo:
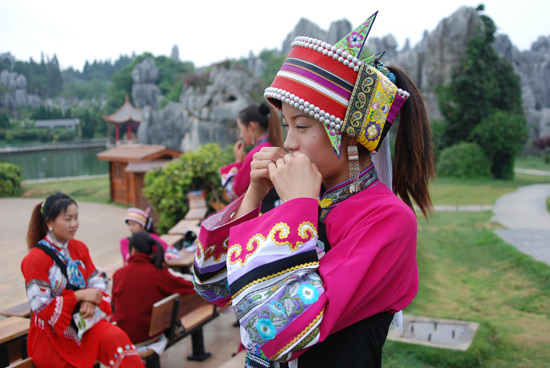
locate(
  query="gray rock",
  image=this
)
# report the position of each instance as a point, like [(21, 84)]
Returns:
[(145, 91), (203, 115)]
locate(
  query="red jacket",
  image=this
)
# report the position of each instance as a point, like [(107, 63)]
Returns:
[(136, 287)]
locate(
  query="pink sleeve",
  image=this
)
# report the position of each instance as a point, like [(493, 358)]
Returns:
[(124, 249)]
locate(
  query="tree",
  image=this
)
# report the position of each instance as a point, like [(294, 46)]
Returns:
[(482, 85), (501, 134)]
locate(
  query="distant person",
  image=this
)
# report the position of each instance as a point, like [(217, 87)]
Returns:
[(138, 220), (141, 283), (259, 127), (65, 291)]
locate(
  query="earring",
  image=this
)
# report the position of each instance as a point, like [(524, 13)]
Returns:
[(50, 228), (353, 159)]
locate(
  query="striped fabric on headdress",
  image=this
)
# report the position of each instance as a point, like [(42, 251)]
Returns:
[(137, 215), (334, 86)]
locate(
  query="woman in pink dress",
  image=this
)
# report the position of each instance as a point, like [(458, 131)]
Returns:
[(317, 281), (259, 127)]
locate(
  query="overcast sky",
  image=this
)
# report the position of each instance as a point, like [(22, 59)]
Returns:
[(208, 31)]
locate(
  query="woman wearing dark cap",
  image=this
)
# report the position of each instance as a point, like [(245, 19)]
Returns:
[(64, 290), (141, 283), (317, 281)]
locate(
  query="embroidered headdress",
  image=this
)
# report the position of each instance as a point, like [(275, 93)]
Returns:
[(346, 94)]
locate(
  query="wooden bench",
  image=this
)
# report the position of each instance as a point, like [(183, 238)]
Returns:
[(19, 310), (13, 339), (23, 363), (178, 316)]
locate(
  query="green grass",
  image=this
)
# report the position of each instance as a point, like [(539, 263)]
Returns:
[(85, 190), (532, 162), (445, 191), (468, 273)]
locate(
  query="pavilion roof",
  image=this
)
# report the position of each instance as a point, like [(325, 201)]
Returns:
[(126, 113), (138, 152)]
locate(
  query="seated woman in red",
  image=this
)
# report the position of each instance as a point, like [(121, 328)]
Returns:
[(142, 283), (65, 291)]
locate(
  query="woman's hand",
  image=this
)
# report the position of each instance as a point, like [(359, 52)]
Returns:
[(294, 176), (260, 184), (93, 296), (238, 151), (87, 309)]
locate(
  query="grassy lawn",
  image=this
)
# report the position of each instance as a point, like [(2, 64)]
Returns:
[(446, 191), (532, 162), (86, 190), (468, 273)]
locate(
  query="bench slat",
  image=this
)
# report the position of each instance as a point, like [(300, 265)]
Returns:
[(25, 363)]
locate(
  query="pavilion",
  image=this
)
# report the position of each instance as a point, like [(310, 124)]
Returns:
[(127, 114)]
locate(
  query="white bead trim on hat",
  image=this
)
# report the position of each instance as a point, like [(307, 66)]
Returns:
[(332, 122), (338, 54), (324, 48)]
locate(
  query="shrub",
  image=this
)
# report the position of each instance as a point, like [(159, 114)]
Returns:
[(10, 179), (463, 160), (166, 189), (502, 136)]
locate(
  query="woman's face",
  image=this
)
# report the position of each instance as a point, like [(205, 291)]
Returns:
[(135, 227), (247, 133), (308, 136), (64, 226)]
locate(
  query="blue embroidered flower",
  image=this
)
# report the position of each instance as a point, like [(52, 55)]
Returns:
[(266, 329), (277, 308), (308, 293)]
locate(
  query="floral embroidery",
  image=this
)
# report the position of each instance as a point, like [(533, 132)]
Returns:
[(297, 291), (372, 131), (266, 329), (341, 192), (308, 293), (277, 308), (355, 40), (325, 202)]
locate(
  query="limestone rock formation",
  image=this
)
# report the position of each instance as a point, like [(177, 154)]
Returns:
[(145, 91), (204, 114), (533, 67), (305, 27), (13, 92)]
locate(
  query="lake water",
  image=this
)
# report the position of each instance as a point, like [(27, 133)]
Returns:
[(58, 163)]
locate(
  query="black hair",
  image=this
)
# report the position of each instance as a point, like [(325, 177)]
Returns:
[(142, 242), (268, 119), (48, 210)]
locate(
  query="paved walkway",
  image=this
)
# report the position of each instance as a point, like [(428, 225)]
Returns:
[(526, 219)]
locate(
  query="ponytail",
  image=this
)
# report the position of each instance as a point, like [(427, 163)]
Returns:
[(268, 119), (413, 165), (142, 242), (37, 227)]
